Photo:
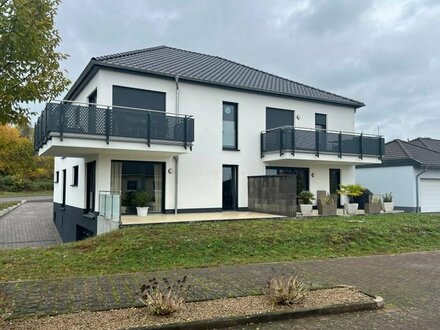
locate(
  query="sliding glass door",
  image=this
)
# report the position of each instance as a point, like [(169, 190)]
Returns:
[(130, 177)]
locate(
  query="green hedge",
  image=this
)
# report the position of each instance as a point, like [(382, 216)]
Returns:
[(8, 183)]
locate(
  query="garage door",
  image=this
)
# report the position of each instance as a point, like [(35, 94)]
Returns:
[(430, 195)]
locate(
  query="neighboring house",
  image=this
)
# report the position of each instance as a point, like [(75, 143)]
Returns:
[(410, 170), (210, 124)]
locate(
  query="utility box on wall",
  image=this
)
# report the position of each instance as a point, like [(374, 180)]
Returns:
[(274, 194)]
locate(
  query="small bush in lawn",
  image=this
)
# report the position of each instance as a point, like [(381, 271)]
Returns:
[(285, 290), (163, 298)]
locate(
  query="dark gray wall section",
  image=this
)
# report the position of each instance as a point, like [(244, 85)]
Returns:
[(274, 194), (66, 219), (138, 98)]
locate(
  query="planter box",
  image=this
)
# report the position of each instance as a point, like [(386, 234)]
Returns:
[(351, 208), (388, 207), (326, 210), (306, 209), (371, 208)]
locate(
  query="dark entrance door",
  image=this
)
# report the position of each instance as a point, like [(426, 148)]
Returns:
[(335, 181), (90, 186), (230, 187)]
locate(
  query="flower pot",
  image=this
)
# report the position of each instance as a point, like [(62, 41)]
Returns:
[(142, 211), (306, 209), (351, 208), (388, 207), (326, 209), (372, 208)]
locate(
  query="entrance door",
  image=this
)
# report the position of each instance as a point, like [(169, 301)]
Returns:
[(230, 187), (335, 181), (90, 186)]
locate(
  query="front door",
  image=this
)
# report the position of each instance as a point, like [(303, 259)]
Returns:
[(230, 187), (335, 181)]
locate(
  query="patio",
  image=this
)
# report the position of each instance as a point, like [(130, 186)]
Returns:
[(155, 218)]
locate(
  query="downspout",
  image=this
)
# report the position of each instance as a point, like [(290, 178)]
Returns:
[(176, 158), (417, 188)]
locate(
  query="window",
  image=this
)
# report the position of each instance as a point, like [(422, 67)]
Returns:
[(75, 175), (302, 175), (230, 126), (64, 187), (320, 121), (279, 117), (57, 177), (93, 97)]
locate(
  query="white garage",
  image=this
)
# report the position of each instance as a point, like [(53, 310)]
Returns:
[(430, 195)]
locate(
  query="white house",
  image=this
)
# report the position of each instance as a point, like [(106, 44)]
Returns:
[(411, 171), (189, 129)]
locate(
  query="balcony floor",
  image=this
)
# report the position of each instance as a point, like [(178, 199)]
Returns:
[(156, 218)]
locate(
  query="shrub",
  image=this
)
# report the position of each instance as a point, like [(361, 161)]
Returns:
[(351, 190), (285, 290), (141, 199), (387, 198), (306, 197), (328, 199), (165, 298)]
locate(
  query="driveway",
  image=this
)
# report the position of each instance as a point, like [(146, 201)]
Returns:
[(28, 198), (409, 283), (29, 225)]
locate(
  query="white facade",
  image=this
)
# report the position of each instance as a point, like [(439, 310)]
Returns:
[(200, 170), (402, 181)]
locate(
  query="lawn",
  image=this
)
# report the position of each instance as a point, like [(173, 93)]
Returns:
[(26, 193), (5, 205), (147, 248)]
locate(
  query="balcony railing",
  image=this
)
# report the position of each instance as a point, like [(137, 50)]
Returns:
[(289, 139), (109, 122)]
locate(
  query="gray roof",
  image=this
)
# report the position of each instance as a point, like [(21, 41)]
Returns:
[(197, 67), (427, 143), (398, 152)]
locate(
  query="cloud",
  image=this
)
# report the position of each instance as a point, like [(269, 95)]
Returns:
[(384, 52)]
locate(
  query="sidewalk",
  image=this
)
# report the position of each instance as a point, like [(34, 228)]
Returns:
[(407, 281)]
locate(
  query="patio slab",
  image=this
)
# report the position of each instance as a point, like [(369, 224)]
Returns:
[(128, 220)]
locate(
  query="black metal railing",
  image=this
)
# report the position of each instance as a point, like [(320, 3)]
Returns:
[(156, 127), (289, 139)]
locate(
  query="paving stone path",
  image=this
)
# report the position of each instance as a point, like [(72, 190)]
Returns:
[(409, 283), (29, 225)]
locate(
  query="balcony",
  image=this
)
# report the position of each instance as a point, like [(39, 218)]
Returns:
[(309, 144), (72, 129)]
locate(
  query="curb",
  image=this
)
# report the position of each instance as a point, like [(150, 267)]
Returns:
[(378, 303), (11, 208)]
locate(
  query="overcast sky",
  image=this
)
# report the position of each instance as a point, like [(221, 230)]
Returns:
[(383, 53)]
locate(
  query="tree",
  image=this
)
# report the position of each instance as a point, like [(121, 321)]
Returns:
[(29, 63)]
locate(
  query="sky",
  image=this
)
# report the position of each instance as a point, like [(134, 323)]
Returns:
[(384, 53)]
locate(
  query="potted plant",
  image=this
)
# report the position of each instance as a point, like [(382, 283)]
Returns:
[(351, 190), (305, 198), (373, 207), (127, 202), (141, 201), (327, 205), (388, 205)]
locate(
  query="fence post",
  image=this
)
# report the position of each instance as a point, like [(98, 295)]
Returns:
[(340, 144), (185, 132), (107, 123), (61, 107), (293, 141), (148, 128), (361, 146), (281, 141), (317, 142)]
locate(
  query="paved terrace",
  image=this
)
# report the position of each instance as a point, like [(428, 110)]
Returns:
[(409, 283)]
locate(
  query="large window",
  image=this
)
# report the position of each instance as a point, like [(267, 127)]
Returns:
[(130, 177), (279, 118), (320, 121), (302, 175), (230, 126)]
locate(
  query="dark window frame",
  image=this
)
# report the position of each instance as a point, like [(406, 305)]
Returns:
[(320, 122), (235, 105), (268, 109), (63, 204), (75, 176), (305, 169), (57, 177), (93, 94)]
